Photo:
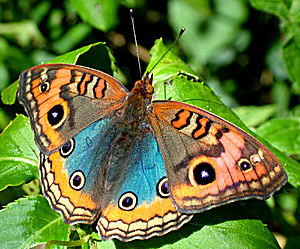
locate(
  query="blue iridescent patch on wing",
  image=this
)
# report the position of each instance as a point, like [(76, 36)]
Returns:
[(91, 148), (145, 170)]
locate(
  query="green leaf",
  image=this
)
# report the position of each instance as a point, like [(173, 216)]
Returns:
[(72, 37), (8, 95), (4, 75), (99, 57), (283, 133), (291, 51), (275, 7), (101, 14), (168, 67), (24, 32), (281, 95), (275, 62), (40, 11), (209, 29), (224, 90), (289, 12), (225, 227), (18, 154), (295, 11), (295, 111), (4, 119), (73, 56), (254, 115), (29, 222)]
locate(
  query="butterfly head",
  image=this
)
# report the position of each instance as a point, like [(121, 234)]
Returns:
[(144, 87)]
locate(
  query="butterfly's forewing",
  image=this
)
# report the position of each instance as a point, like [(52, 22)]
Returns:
[(62, 99), (73, 178), (209, 161), (140, 205)]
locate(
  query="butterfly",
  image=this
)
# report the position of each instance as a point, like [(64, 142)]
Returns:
[(138, 167)]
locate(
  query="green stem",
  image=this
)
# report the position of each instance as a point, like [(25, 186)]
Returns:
[(67, 243)]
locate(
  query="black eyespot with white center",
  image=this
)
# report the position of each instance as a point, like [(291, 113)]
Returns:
[(77, 180), (44, 87), (244, 164), (162, 188), (128, 201), (67, 148), (204, 173), (55, 115)]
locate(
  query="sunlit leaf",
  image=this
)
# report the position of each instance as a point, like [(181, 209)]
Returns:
[(279, 8), (18, 154), (29, 222), (255, 115), (283, 133)]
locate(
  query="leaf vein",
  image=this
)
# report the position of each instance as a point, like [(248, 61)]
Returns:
[(31, 238), (18, 159)]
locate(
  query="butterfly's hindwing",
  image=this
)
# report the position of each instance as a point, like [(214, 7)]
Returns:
[(73, 178), (141, 206)]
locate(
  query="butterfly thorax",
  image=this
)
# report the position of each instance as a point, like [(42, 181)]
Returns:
[(137, 102)]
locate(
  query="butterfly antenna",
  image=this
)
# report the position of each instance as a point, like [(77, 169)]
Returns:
[(179, 35), (136, 44)]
